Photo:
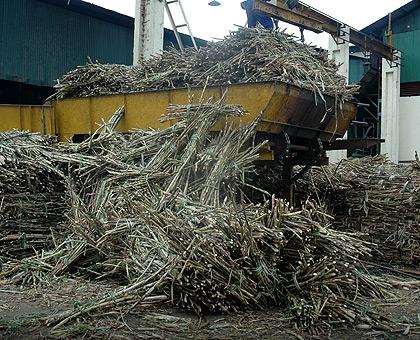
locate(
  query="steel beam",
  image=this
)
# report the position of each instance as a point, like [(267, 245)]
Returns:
[(311, 19), (283, 13), (346, 144)]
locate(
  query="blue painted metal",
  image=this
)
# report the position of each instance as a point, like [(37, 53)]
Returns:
[(40, 40)]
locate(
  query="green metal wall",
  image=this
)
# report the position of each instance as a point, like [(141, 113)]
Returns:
[(406, 34), (409, 44), (40, 42), (408, 23)]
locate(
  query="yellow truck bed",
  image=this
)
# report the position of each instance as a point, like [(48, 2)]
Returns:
[(285, 109)]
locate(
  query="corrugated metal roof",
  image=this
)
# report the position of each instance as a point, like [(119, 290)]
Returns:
[(92, 10), (41, 42)]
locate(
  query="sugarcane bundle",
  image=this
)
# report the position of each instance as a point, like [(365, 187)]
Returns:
[(374, 196), (31, 194), (246, 55), (164, 212), (23, 165), (209, 259)]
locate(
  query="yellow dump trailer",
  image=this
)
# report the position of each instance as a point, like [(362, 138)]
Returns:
[(293, 119), (284, 107)]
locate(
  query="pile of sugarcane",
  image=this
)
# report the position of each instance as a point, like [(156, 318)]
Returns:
[(246, 55), (165, 213), (374, 196), (31, 194)]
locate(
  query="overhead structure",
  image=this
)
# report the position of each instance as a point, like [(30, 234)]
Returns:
[(313, 20), (306, 17)]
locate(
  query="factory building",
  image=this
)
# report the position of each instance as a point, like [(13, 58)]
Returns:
[(401, 29), (51, 37)]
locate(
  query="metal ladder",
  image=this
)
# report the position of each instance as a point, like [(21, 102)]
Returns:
[(175, 27)]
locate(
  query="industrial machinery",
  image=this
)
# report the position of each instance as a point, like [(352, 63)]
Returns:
[(291, 119), (298, 129), (308, 18)]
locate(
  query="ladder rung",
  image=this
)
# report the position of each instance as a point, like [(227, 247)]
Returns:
[(176, 27)]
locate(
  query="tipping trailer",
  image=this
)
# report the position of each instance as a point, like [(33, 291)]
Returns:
[(298, 125)]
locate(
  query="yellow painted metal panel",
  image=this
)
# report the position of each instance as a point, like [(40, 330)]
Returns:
[(9, 118), (28, 118), (73, 116), (254, 99), (101, 110), (283, 106), (144, 111)]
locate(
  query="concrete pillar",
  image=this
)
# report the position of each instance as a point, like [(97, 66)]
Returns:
[(148, 29), (390, 112), (409, 135), (339, 50)]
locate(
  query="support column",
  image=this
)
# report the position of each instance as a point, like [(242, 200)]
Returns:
[(390, 110), (148, 29), (339, 51)]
